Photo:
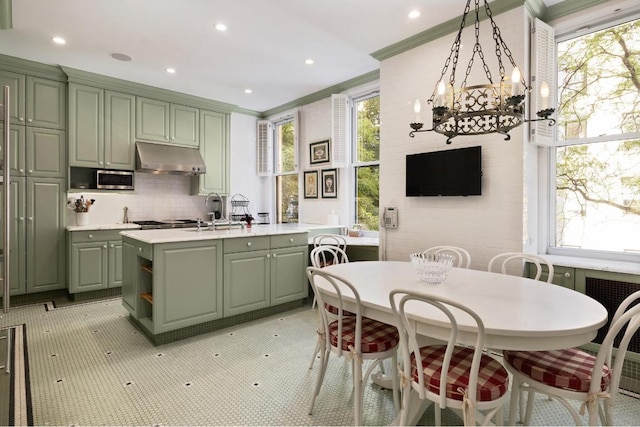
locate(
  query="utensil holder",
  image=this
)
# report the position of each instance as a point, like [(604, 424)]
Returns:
[(82, 218)]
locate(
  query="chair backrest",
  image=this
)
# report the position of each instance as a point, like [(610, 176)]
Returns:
[(627, 315), (461, 258), (409, 341), (499, 263), (325, 255), (330, 239), (338, 288)]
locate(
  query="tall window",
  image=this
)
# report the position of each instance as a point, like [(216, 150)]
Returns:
[(286, 171), (366, 163), (597, 162)]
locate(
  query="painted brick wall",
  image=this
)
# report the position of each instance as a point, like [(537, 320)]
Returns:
[(484, 225)]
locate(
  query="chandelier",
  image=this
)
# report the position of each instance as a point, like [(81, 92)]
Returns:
[(480, 109)]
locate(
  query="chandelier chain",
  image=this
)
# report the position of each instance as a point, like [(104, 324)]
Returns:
[(477, 48)]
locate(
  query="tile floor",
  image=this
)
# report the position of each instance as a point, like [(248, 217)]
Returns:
[(89, 365)]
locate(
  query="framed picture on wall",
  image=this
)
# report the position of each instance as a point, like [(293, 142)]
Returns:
[(319, 152), (329, 183), (311, 185)]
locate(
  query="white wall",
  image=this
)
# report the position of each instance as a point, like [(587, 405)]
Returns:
[(484, 225)]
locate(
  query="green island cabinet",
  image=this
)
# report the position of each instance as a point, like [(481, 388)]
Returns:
[(94, 260), (214, 147), (162, 121), (264, 271), (101, 128), (36, 101), (168, 286)]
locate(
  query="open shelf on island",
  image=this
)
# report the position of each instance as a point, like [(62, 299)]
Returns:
[(147, 296)]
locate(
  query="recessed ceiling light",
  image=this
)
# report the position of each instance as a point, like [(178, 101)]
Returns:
[(414, 14), (59, 40), (308, 61), (171, 70), (221, 27), (247, 90), (120, 57)]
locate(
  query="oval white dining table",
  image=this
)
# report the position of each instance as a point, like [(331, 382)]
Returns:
[(518, 313)]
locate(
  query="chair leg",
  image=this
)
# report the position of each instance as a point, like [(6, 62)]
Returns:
[(394, 381), (314, 303), (357, 390), (530, 399), (315, 353), (514, 403), (406, 399), (324, 358), (438, 414)]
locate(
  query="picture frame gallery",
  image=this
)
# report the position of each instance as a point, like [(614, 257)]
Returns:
[(319, 152), (311, 185)]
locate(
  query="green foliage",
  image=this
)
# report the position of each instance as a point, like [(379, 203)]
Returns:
[(368, 150)]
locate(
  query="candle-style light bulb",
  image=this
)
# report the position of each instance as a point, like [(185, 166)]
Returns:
[(515, 82), (440, 97), (544, 93), (416, 109)]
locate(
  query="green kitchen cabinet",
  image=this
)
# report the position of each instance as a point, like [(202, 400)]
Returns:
[(562, 276), (187, 284), (16, 83), (45, 153), (184, 125), (133, 277), (101, 128), (46, 103), (45, 240), (246, 281), (17, 148), (17, 269), (95, 260), (288, 274), (86, 126), (214, 147), (161, 121), (119, 131)]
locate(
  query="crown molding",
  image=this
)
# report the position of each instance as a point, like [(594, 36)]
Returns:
[(569, 7), (31, 68)]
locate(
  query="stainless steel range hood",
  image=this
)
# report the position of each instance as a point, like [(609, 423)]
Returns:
[(168, 159)]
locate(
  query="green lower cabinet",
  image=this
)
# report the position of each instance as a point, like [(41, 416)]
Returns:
[(17, 252), (562, 276), (246, 281), (187, 284), (288, 274), (95, 260)]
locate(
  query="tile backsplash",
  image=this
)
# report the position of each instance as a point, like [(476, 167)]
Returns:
[(155, 197)]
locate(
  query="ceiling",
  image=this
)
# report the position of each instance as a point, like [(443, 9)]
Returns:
[(263, 49)]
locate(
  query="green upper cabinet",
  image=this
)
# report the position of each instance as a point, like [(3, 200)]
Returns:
[(214, 146), (16, 83), (162, 121), (152, 119), (86, 126), (46, 103), (16, 149), (101, 128), (119, 130), (184, 124), (45, 152)]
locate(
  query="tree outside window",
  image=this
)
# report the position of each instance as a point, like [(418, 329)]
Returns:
[(598, 170), (367, 161), (286, 172)]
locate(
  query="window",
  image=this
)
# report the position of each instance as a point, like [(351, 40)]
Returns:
[(366, 163), (286, 170), (596, 196)]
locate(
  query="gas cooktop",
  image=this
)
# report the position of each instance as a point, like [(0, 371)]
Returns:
[(167, 223)]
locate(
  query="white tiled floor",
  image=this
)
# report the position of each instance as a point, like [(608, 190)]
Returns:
[(90, 366)]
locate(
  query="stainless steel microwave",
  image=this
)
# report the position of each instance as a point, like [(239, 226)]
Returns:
[(114, 180)]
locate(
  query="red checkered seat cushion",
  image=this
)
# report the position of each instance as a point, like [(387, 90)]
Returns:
[(493, 379), (569, 369), (376, 336)]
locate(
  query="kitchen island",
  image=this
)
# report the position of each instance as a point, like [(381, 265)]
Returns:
[(178, 283)]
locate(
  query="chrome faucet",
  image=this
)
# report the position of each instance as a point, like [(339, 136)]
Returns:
[(206, 203)]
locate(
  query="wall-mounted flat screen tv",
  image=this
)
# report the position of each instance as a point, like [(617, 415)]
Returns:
[(455, 172)]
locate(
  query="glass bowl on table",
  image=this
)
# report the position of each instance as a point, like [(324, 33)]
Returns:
[(432, 268)]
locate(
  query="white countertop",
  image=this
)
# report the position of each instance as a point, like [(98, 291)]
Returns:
[(192, 235), (116, 226)]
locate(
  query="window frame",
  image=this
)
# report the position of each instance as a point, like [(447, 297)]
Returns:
[(287, 117), (371, 92), (548, 159)]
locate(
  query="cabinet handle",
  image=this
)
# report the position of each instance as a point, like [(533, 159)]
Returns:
[(30, 171), (108, 163), (166, 137), (275, 255), (21, 119), (112, 245), (290, 240), (99, 163), (29, 120), (91, 236), (139, 249), (567, 275), (249, 244), (30, 218), (104, 247), (268, 256), (21, 218), (21, 170)]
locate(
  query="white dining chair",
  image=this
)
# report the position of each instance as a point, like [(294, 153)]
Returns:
[(572, 374), (461, 257), (500, 263), (450, 375), (356, 337), (323, 256), (334, 240)]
